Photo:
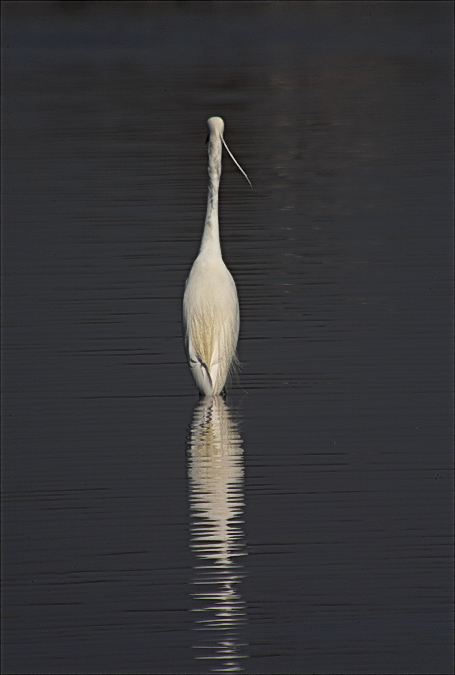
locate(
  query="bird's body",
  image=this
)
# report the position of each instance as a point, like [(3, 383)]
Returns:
[(211, 315), (212, 326)]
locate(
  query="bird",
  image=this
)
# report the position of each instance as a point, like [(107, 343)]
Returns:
[(211, 315)]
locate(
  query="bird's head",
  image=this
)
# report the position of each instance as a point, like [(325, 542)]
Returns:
[(215, 124)]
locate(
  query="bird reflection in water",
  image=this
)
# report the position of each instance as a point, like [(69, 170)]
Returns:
[(216, 475)]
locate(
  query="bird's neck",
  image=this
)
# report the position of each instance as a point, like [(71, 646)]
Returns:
[(211, 235)]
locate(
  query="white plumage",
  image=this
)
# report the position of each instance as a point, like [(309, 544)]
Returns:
[(211, 317)]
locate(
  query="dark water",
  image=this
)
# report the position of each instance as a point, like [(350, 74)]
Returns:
[(305, 525)]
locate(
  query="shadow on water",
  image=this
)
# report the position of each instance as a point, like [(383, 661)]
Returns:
[(216, 484)]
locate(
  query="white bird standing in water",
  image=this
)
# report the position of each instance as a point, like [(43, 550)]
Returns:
[(211, 318)]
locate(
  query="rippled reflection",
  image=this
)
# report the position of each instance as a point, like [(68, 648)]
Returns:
[(215, 475)]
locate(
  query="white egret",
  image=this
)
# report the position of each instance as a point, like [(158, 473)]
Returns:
[(211, 317)]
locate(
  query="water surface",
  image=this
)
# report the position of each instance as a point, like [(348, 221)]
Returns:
[(304, 525)]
